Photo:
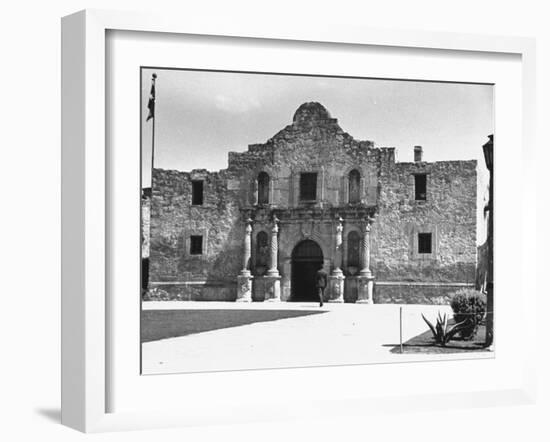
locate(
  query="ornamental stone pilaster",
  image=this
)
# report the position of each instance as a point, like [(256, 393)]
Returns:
[(274, 249), (338, 249), (244, 280), (365, 280), (336, 279), (365, 250), (273, 278)]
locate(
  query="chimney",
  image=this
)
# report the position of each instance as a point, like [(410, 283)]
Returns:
[(417, 154)]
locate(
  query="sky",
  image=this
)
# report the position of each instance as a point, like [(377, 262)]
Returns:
[(201, 116)]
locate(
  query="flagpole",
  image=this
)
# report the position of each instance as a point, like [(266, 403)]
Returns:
[(154, 80)]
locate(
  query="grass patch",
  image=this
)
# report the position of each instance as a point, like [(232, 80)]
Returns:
[(424, 343), (163, 324)]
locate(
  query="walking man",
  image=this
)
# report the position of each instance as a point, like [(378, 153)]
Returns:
[(321, 279)]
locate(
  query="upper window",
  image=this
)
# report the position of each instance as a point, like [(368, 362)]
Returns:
[(308, 186), (263, 188), (424, 243), (420, 187), (195, 245), (354, 179), (197, 198)]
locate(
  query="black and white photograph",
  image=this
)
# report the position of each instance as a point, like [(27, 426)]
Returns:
[(275, 221), (302, 221)]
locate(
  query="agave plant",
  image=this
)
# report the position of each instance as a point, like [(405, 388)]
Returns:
[(441, 331)]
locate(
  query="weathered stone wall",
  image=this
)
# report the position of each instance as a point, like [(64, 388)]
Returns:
[(449, 213), (145, 222), (192, 292), (174, 219), (416, 293)]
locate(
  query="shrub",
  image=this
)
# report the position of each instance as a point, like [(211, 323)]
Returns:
[(155, 294), (469, 307)]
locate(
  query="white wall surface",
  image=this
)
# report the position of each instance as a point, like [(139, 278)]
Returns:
[(30, 217)]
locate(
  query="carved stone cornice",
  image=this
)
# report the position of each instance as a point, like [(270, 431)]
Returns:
[(301, 214)]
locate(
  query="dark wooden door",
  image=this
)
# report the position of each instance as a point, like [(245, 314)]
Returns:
[(307, 258)]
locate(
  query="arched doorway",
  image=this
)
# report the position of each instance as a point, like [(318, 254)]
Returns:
[(307, 258)]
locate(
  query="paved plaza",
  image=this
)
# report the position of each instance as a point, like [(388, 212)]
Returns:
[(283, 335)]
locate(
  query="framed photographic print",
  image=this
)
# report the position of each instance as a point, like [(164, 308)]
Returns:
[(304, 250), (255, 212)]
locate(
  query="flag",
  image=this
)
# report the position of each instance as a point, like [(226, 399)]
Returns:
[(151, 103)]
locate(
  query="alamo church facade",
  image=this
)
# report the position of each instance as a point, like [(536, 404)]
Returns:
[(312, 196)]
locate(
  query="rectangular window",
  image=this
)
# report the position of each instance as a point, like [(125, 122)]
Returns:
[(196, 245), (308, 186), (424, 243), (420, 187), (197, 189)]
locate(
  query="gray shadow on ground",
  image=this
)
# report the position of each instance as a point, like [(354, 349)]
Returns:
[(163, 324), (51, 414)]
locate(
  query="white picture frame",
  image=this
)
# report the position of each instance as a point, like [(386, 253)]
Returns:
[(85, 214)]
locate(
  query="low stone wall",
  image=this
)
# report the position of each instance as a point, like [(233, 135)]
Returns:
[(191, 292), (416, 293)]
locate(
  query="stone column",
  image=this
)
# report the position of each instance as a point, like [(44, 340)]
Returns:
[(338, 249), (274, 248), (344, 252), (365, 251), (272, 278), (244, 280), (336, 279), (365, 280)]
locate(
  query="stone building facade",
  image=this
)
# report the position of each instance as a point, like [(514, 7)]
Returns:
[(312, 196)]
